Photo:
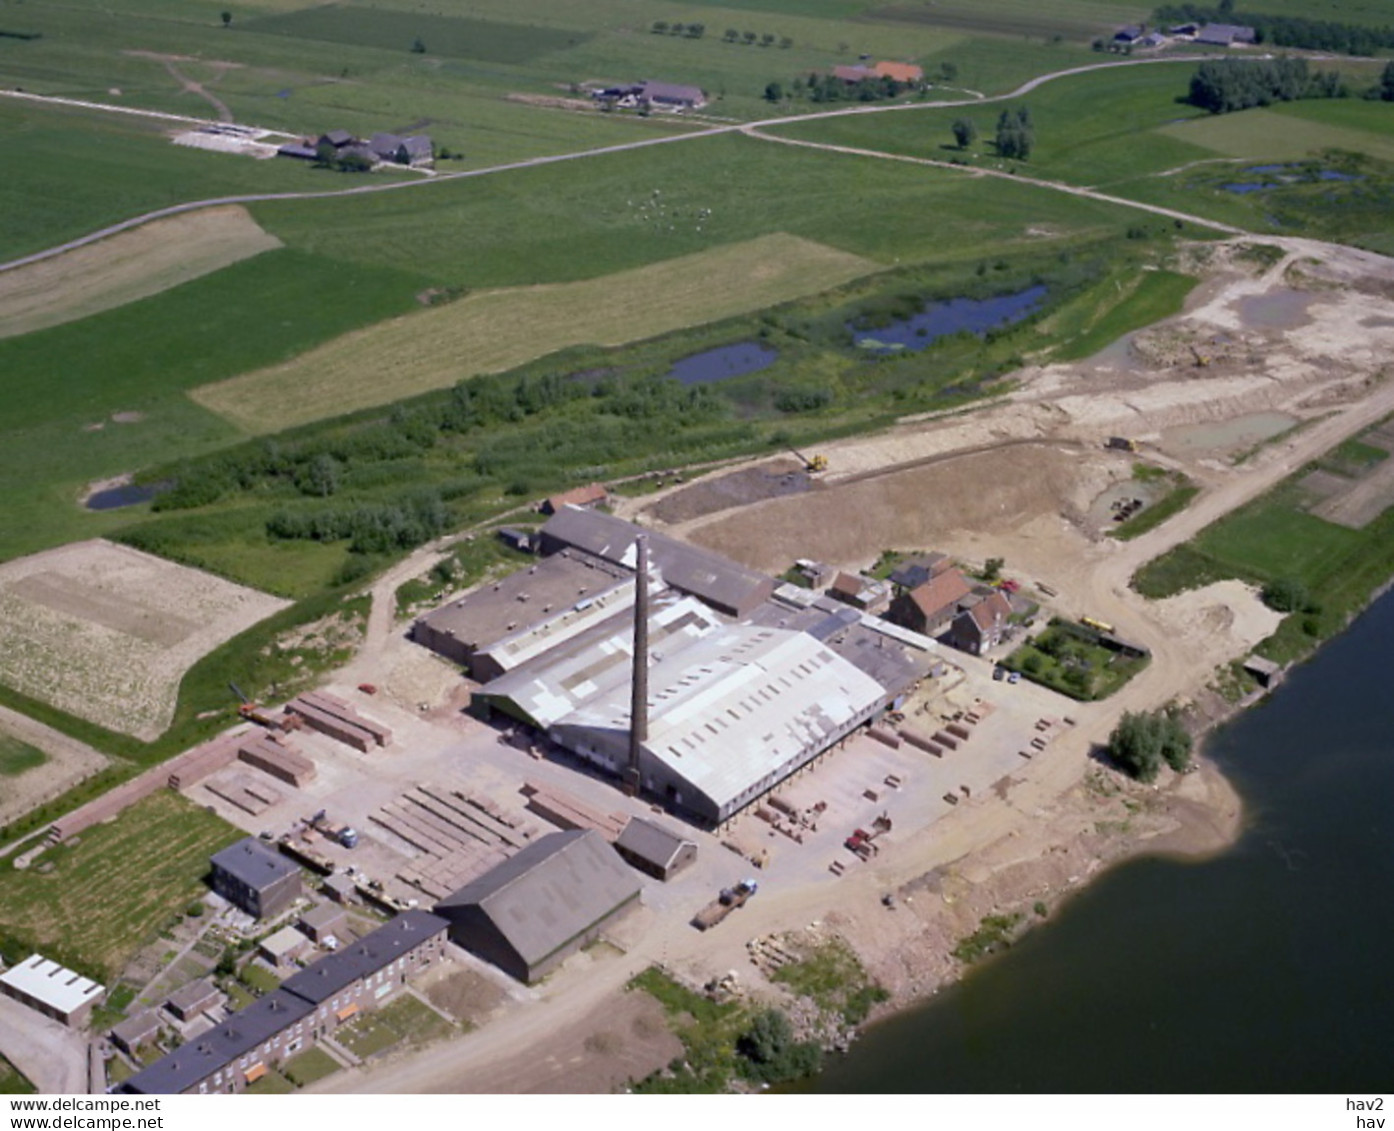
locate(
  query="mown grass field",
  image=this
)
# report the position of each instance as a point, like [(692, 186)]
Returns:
[(1294, 131), (494, 331), (125, 267), (1274, 538), (17, 756), (1143, 298), (93, 904)]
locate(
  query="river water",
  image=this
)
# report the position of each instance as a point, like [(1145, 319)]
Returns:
[(1268, 968)]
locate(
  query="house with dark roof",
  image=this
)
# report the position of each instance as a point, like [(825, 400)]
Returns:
[(981, 625), (135, 1031), (914, 572), (929, 608), (529, 914), (251, 876), (189, 1001), (654, 849), (860, 592), (292, 1018), (672, 96), (232, 1055), (335, 139), (1129, 34)]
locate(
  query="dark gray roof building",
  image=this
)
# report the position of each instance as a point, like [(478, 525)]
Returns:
[(655, 850), (528, 914), (261, 882), (241, 1035), (721, 583), (195, 998), (133, 1032)]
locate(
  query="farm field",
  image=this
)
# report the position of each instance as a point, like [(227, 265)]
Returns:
[(128, 266), (106, 633), (94, 903), (1294, 131), (494, 331), (591, 217), (17, 756)]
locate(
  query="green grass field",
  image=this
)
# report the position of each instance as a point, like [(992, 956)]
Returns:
[(1141, 299), (1273, 538), (96, 902), (17, 756), (493, 331)]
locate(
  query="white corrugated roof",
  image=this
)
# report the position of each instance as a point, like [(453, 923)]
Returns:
[(44, 980)]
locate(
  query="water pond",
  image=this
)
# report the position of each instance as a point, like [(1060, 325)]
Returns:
[(1278, 176), (127, 495), (723, 362), (1223, 437), (976, 316)]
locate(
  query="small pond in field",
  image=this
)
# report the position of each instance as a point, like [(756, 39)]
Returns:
[(938, 319), (1276, 176), (126, 495), (1224, 437), (723, 362)]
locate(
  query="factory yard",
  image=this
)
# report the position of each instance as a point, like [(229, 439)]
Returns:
[(91, 629)]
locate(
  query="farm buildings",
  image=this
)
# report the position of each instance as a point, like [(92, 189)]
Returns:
[(307, 1006), (743, 690)]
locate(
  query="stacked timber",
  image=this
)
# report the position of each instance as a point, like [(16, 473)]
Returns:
[(282, 762), (330, 715), (246, 793), (568, 812)]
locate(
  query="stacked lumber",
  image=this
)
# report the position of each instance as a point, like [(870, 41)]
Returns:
[(568, 812), (341, 721), (282, 762), (248, 794)]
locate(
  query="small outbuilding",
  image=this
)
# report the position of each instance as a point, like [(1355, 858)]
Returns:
[(189, 1001), (325, 922), (529, 914), (251, 876), (284, 947), (135, 1031), (655, 850), (340, 887)]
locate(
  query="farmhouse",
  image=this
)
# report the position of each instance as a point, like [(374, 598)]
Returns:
[(52, 990), (528, 914), (906, 73), (914, 572), (1225, 35), (662, 95), (307, 1006), (416, 151), (250, 876)]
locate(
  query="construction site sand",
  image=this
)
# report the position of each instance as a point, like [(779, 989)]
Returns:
[(127, 266), (106, 632)]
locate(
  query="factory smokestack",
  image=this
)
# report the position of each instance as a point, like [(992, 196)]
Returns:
[(639, 689)]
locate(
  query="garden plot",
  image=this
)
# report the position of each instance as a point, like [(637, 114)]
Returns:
[(106, 633)]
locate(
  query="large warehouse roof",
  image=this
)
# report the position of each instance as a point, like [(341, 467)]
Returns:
[(56, 986), (736, 706), (716, 580), (548, 688), (555, 889)]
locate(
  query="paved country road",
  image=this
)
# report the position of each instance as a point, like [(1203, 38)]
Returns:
[(748, 128)]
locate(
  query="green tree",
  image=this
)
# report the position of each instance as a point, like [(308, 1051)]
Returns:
[(767, 40), (1386, 82), (749, 37), (770, 1052), (418, 46), (1015, 136), (948, 71), (992, 568), (1142, 741), (660, 27), (965, 132), (730, 35), (774, 92), (227, 18), (1285, 595)]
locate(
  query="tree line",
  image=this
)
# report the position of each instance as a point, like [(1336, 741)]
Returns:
[(1285, 31), (1015, 137), (1225, 85)]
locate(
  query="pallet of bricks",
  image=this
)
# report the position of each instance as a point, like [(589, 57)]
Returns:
[(274, 754), (331, 715)]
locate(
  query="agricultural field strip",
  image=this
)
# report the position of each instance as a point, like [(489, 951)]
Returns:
[(493, 331), (599, 151), (92, 629), (130, 265)]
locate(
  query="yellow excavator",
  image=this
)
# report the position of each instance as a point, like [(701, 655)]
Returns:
[(812, 464)]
